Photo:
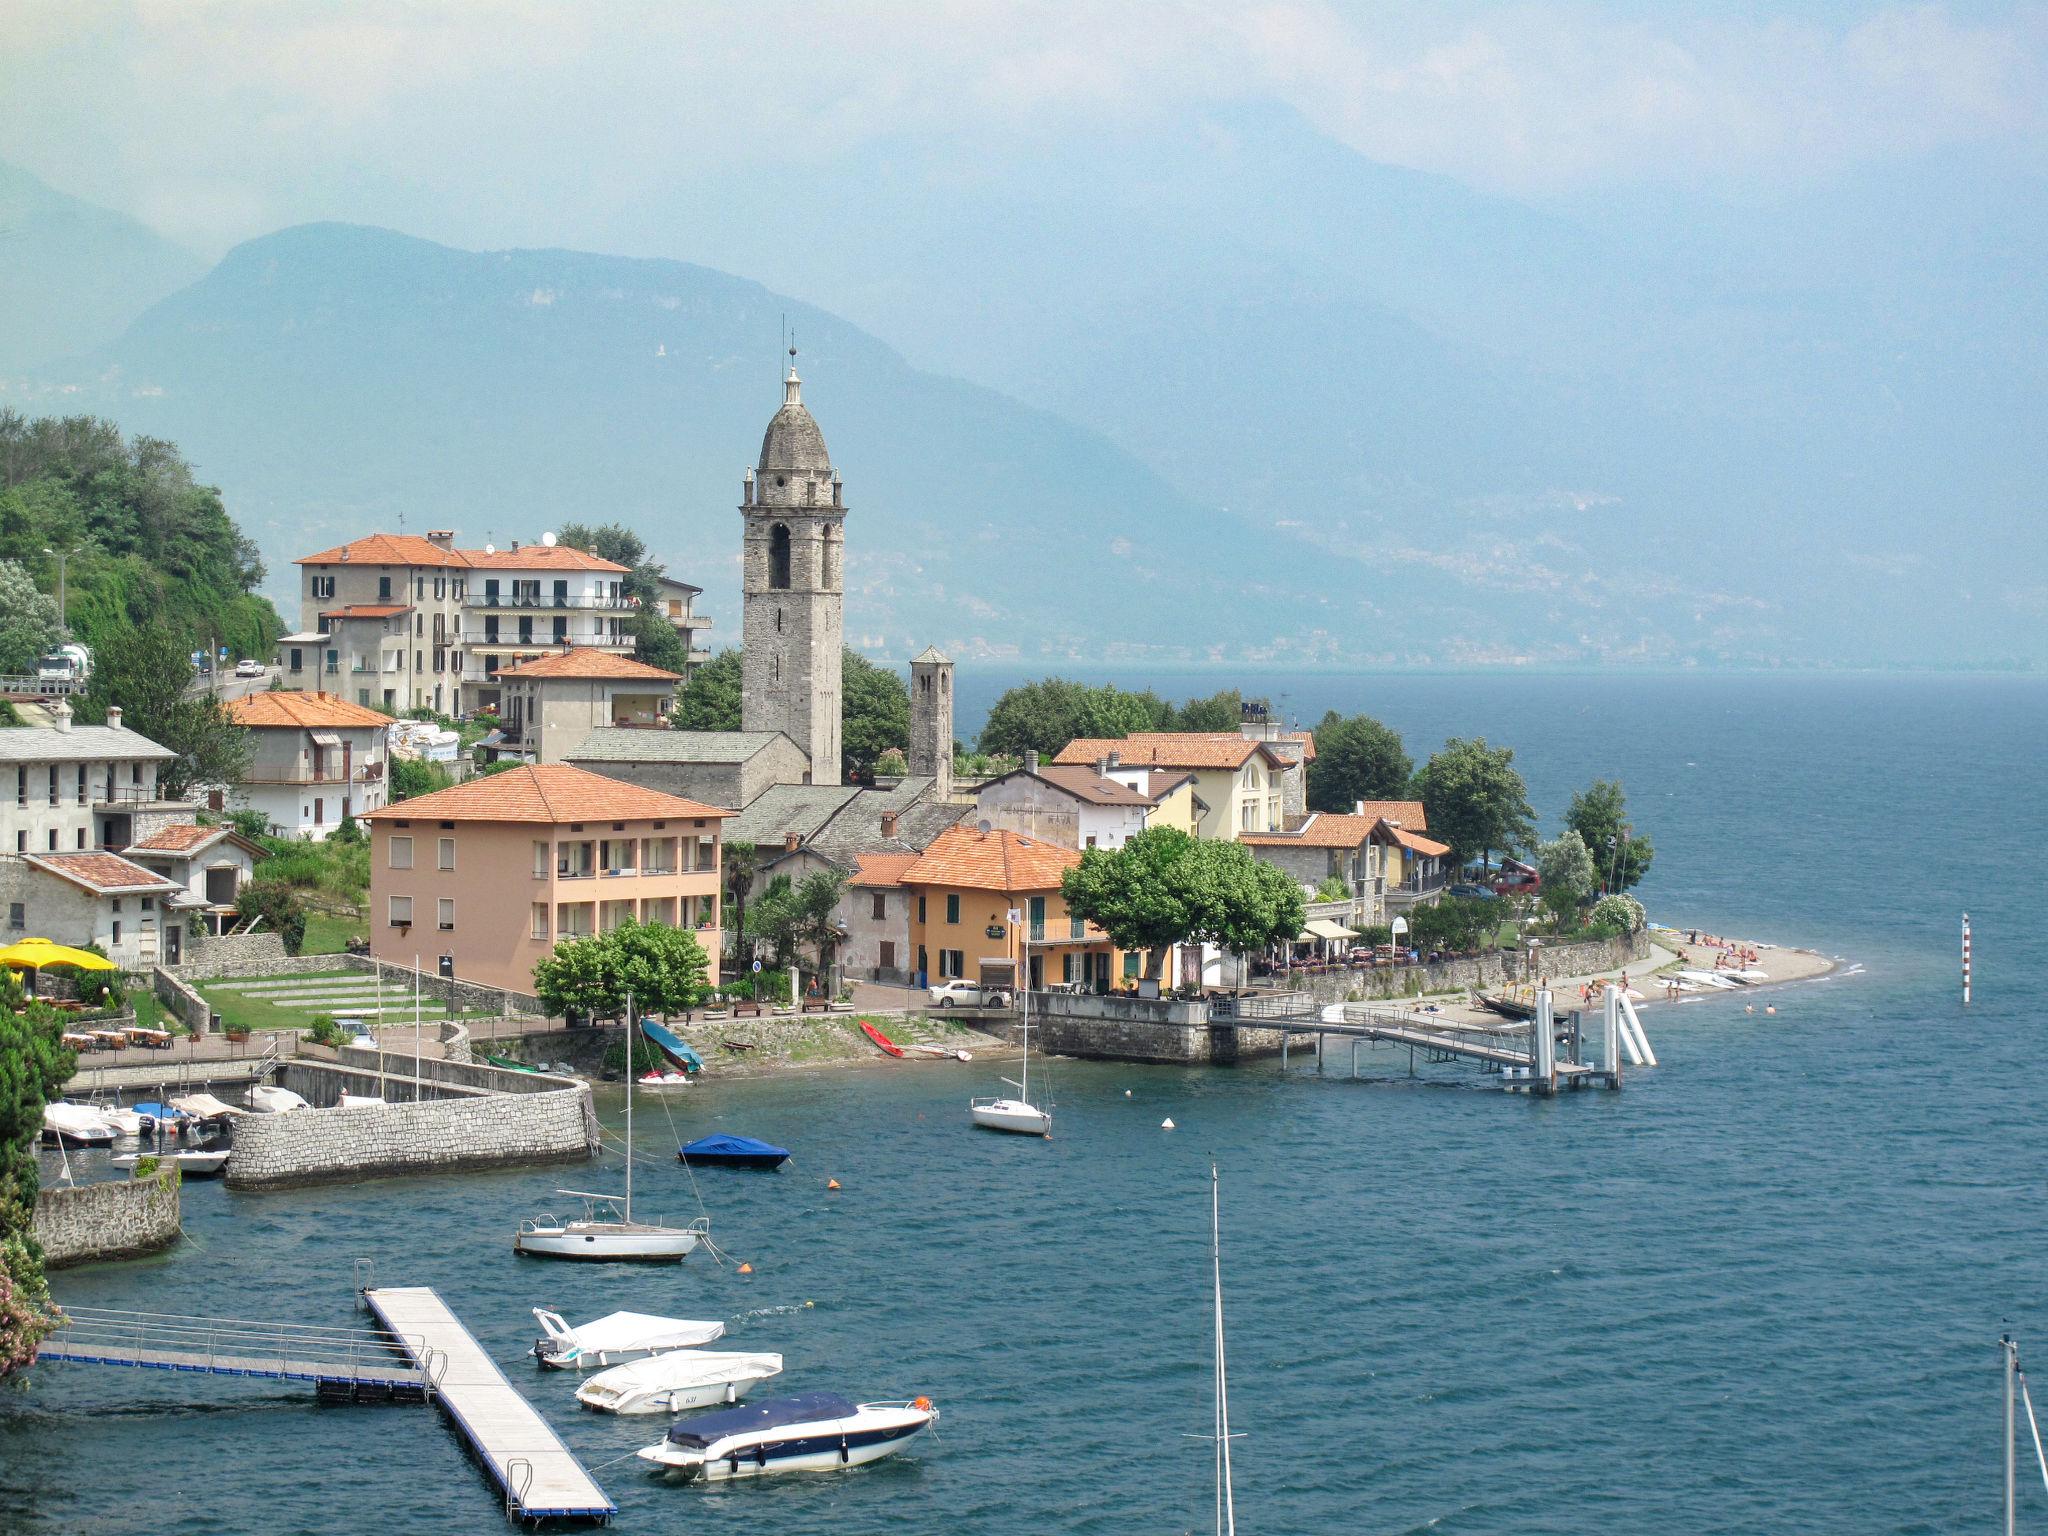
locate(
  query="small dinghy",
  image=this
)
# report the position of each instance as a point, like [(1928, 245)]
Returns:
[(663, 1080), (817, 1432), (193, 1164), (677, 1380), (672, 1045), (732, 1152), (615, 1338), (266, 1100), (359, 1100), (883, 1041), (74, 1125), (509, 1064)]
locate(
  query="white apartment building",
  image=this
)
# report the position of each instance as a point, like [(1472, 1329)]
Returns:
[(68, 788), (314, 759)]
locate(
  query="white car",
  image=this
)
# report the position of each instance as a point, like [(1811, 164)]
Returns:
[(248, 666), (965, 994)]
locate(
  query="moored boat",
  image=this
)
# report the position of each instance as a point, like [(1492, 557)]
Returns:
[(816, 1432), (196, 1163), (1507, 1007), (268, 1100), (74, 1125), (678, 1380), (733, 1152), (663, 1080), (615, 1338), (880, 1039), (672, 1045), (599, 1238)]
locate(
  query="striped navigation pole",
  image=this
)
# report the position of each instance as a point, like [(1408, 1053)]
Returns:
[(1966, 959)]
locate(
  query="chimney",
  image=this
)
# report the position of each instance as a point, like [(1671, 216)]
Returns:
[(1031, 759), (62, 714), (790, 841), (1358, 809), (888, 823), (441, 538), (1116, 760), (114, 716)]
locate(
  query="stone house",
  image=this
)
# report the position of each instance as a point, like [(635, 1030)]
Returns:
[(68, 788), (877, 919), (314, 760), (724, 768), (1242, 783), (550, 706), (94, 898), (212, 864), (1073, 805)]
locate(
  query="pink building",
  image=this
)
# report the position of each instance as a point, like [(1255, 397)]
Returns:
[(491, 873)]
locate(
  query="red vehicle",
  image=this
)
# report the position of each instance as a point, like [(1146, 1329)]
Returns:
[(1516, 879)]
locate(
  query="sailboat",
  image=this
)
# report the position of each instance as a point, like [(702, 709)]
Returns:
[(606, 1231), (1226, 1500), (1018, 1115)]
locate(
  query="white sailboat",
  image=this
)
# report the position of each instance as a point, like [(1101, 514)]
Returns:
[(1226, 1499), (1019, 1115), (606, 1232)]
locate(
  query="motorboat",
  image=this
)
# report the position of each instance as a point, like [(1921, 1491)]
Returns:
[(204, 1107), (615, 1338), (74, 1125), (164, 1117), (677, 1380), (193, 1163), (723, 1151), (1507, 1007), (602, 1238), (124, 1122), (673, 1046), (359, 1100), (661, 1081), (816, 1432), (268, 1100)]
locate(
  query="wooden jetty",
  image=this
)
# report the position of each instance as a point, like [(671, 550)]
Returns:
[(539, 1477)]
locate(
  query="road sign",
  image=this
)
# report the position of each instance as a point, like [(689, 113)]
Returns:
[(757, 967), (1399, 926)]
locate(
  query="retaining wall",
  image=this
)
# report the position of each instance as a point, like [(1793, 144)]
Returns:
[(119, 1219), (1473, 973), (466, 1116), (175, 995), (1113, 1028), (457, 995)]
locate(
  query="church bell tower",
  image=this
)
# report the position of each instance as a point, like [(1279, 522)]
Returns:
[(793, 586)]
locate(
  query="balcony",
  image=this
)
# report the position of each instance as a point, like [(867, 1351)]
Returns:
[(365, 773), (545, 602)]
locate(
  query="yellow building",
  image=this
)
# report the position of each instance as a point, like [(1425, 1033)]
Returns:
[(1238, 781), (963, 890)]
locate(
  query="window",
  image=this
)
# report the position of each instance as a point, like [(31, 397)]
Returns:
[(881, 906), (920, 913), (1037, 916), (444, 913), (53, 839), (21, 842), (778, 557), (81, 838), (540, 861), (540, 920), (323, 586), (383, 589), (149, 903), (778, 621), (888, 954), (17, 914), (54, 795), (447, 853), (81, 783), (401, 853), (1077, 927), (953, 912), (1130, 964), (117, 930), (114, 905), (400, 911)]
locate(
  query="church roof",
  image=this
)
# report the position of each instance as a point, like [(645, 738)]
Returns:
[(929, 655), (793, 441)]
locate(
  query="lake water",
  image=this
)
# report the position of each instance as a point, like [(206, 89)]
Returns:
[(1758, 1290)]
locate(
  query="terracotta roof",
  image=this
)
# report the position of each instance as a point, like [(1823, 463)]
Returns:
[(178, 837), (366, 611), (538, 557), (385, 549), (881, 870), (1161, 782), (991, 861), (1402, 813), (1166, 749), (1320, 830), (553, 794), (1427, 846), (583, 661), (107, 873), (302, 711)]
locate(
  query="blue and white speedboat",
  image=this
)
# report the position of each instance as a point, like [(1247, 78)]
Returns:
[(817, 1432)]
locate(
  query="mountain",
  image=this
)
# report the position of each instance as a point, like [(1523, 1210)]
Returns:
[(74, 274)]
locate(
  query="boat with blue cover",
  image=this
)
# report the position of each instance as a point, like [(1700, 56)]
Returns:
[(733, 1152), (672, 1045), (814, 1432)]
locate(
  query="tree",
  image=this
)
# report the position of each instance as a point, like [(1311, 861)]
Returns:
[(1044, 716), (874, 714), (1145, 895), (1621, 913), (1460, 924), (574, 981), (655, 640), (791, 915), (1568, 875), (34, 1066), (1332, 888), (739, 863), (710, 700), (412, 777), (1600, 816), (277, 903), (1357, 758), (1221, 711), (147, 672), (663, 969), (28, 621), (1475, 800), (1246, 905), (656, 643)]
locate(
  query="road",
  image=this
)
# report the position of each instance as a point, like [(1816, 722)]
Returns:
[(227, 686)]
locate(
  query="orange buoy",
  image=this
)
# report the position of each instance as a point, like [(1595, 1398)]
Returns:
[(920, 1403), (746, 1269), (831, 1183)]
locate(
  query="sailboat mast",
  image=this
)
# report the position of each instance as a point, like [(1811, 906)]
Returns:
[(1024, 1011), (631, 1041), (1226, 1504)]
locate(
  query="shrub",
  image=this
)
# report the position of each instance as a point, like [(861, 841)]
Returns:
[(326, 1031), (1376, 934), (1618, 913)]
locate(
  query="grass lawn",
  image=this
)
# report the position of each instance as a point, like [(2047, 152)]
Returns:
[(328, 933), (238, 1010)]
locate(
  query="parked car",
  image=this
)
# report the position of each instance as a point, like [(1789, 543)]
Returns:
[(960, 993), (1478, 891), (248, 666)]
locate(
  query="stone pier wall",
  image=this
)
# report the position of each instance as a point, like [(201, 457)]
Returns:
[(1474, 973), (119, 1219), (487, 1121), (1113, 1028)]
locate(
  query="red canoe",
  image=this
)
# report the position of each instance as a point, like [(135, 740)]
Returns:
[(880, 1039)]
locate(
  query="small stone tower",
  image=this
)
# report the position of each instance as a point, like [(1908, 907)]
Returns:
[(793, 586), (931, 720)]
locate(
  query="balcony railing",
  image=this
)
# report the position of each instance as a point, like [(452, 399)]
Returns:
[(535, 602), (363, 773)]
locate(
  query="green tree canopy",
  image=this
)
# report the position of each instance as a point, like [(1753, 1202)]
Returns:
[(1357, 758), (875, 714), (663, 969), (1475, 800), (1246, 905), (34, 1067), (710, 701), (1599, 815), (790, 916), (279, 905), (1220, 711), (28, 620), (1044, 716), (147, 673), (1568, 875), (1145, 895), (1459, 923)]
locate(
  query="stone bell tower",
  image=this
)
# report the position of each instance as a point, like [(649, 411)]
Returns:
[(793, 586), (931, 720)]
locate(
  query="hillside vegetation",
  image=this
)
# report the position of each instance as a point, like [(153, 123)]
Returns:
[(148, 544)]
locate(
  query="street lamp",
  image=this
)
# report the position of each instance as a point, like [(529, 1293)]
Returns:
[(61, 556)]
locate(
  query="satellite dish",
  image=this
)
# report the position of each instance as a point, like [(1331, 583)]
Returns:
[(986, 828), (490, 549), (547, 541)]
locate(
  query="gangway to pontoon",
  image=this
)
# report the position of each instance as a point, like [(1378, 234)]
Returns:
[(359, 1363)]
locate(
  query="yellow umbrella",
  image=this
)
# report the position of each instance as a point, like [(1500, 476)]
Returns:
[(34, 954)]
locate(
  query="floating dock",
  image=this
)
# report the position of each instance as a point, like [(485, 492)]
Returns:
[(539, 1477), (347, 1362)]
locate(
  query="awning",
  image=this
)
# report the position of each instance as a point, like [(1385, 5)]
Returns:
[(1323, 928), (325, 738)]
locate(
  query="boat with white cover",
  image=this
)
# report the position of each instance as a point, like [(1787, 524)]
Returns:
[(615, 1338), (268, 1100), (74, 1125), (816, 1432), (677, 1380), (1713, 979), (123, 1122), (193, 1164)]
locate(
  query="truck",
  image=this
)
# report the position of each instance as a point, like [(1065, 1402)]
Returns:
[(66, 664)]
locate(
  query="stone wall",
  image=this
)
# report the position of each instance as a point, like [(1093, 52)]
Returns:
[(452, 1126), (119, 1219), (1479, 972), (223, 954), (180, 999), (1115, 1028), (457, 995)]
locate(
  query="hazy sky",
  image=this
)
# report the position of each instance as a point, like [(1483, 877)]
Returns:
[(517, 122)]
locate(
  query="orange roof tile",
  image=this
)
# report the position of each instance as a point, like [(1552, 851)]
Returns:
[(583, 661), (1320, 830), (385, 549), (366, 611), (178, 837), (991, 861), (553, 794), (883, 870), (537, 557), (1166, 749), (302, 711), (107, 872), (1402, 813), (1427, 846)]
